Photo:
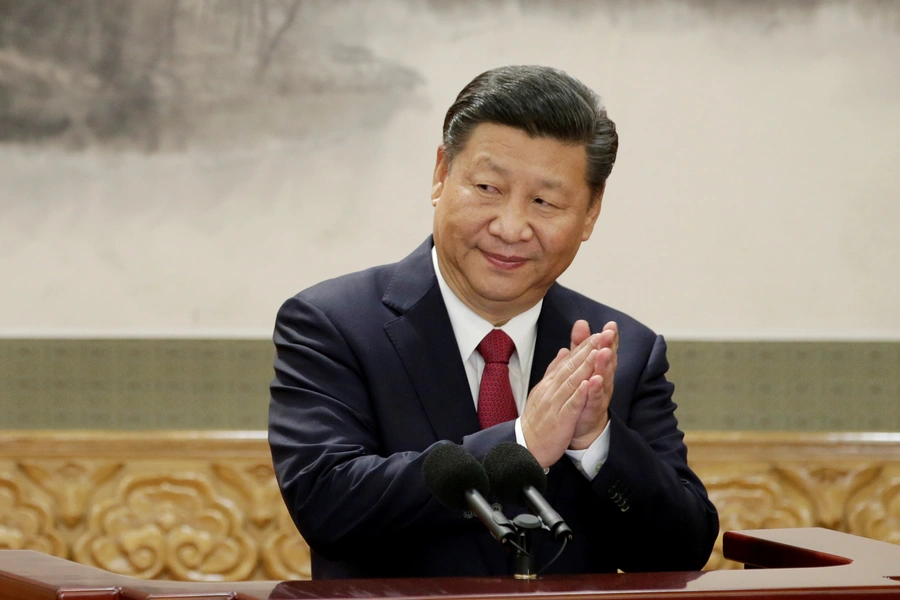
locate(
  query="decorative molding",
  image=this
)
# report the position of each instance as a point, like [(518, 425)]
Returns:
[(285, 554), (168, 525), (26, 522), (204, 506), (253, 483), (70, 484)]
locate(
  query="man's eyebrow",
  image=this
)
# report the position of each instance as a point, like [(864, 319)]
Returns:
[(488, 162)]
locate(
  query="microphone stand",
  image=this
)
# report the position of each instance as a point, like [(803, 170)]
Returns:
[(524, 525)]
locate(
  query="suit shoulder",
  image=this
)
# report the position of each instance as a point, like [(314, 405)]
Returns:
[(347, 292), (578, 306)]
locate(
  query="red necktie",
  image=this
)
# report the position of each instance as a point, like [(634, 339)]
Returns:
[(496, 403)]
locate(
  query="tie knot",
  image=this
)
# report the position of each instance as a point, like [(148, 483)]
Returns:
[(496, 347)]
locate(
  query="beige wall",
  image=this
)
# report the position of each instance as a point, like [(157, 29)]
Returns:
[(757, 192)]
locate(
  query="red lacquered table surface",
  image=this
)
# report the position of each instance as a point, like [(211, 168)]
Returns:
[(798, 564)]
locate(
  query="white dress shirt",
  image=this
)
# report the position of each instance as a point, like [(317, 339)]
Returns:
[(470, 329)]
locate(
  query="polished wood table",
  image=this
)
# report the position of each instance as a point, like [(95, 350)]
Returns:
[(800, 564)]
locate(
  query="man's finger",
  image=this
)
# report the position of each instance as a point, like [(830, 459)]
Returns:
[(608, 338), (595, 388), (567, 361), (574, 406), (581, 331), (614, 327), (581, 373), (603, 361)]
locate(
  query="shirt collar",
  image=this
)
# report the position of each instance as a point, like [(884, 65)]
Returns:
[(469, 328)]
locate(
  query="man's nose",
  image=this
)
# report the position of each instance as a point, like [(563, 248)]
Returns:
[(511, 223)]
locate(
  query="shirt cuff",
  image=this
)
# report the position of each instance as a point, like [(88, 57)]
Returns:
[(589, 460), (520, 437)]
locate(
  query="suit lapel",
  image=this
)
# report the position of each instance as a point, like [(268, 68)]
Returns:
[(424, 340), (553, 332)]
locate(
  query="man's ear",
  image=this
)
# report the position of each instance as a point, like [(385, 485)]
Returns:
[(596, 203), (441, 167)]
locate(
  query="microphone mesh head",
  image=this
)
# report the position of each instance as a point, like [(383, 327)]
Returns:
[(450, 471), (510, 467)]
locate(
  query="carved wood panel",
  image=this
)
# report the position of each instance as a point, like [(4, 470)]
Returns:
[(204, 506)]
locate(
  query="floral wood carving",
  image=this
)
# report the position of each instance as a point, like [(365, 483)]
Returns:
[(827, 488), (176, 526), (755, 501), (200, 506), (285, 554), (875, 510), (70, 484), (26, 523), (256, 483)]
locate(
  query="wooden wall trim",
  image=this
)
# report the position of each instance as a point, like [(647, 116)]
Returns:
[(133, 444), (718, 446), (711, 446)]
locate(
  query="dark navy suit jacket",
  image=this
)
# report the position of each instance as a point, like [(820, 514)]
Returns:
[(368, 377)]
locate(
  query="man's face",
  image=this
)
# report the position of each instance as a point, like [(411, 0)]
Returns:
[(510, 214)]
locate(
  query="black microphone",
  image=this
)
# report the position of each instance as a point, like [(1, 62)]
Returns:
[(459, 482), (516, 477)]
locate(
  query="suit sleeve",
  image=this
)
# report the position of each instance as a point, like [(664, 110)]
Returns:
[(657, 509), (343, 493)]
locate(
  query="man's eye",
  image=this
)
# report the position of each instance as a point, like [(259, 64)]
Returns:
[(542, 202), (486, 188)]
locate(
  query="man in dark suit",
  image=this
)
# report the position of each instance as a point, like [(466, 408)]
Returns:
[(470, 339)]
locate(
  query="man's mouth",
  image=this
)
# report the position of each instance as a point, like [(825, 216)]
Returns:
[(503, 261)]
